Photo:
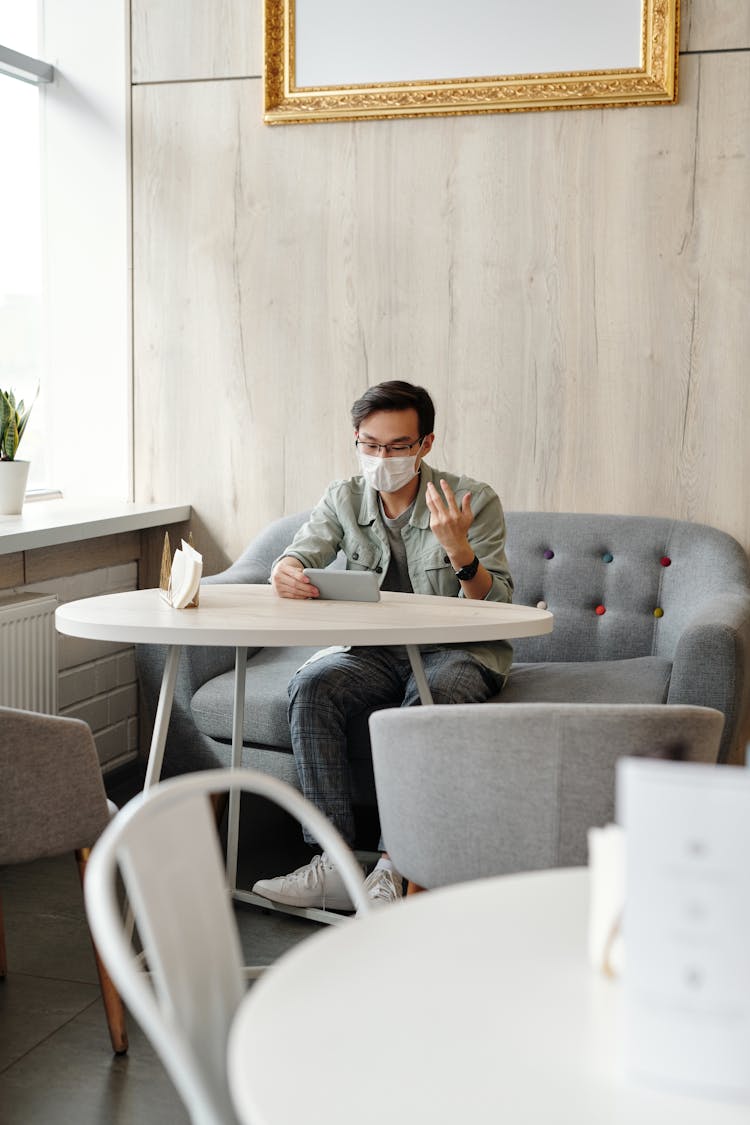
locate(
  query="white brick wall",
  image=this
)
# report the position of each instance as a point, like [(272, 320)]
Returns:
[(96, 680)]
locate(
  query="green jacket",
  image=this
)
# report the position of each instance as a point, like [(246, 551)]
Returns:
[(348, 519)]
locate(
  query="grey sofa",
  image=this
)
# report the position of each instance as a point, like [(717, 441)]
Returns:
[(646, 611)]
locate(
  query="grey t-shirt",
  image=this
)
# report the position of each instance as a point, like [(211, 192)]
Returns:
[(397, 575)]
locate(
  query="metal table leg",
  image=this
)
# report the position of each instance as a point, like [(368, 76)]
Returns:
[(159, 737), (417, 667), (163, 712), (238, 723)]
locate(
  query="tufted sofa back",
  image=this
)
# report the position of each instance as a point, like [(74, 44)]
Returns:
[(647, 577), (618, 586)]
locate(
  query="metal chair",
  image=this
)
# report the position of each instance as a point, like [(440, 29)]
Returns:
[(468, 791), (164, 844), (52, 801)]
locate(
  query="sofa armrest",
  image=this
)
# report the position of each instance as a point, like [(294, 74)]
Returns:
[(243, 571), (255, 562), (712, 662)]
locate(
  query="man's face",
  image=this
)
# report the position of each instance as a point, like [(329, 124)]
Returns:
[(396, 429)]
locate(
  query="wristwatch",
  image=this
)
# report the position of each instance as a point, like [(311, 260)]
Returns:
[(466, 573)]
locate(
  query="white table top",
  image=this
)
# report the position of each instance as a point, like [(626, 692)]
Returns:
[(475, 1003), (243, 615)]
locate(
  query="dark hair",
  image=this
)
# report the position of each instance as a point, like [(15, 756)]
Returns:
[(396, 395)]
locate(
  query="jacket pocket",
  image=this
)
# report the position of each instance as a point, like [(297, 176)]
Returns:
[(361, 555), (440, 574)]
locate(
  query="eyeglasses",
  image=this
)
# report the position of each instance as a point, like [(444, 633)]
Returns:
[(400, 449)]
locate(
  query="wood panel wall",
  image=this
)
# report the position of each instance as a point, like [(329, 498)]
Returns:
[(573, 287)]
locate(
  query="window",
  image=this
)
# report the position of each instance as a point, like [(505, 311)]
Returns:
[(65, 243), (21, 327)]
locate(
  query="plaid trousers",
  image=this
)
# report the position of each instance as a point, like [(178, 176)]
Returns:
[(326, 693)]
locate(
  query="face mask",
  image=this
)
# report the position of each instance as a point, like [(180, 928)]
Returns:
[(388, 474)]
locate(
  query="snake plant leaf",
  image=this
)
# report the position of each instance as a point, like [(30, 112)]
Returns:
[(10, 443), (22, 420), (13, 420), (6, 413)]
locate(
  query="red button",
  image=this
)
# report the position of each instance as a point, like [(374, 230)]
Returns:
[(665, 560), (600, 610)]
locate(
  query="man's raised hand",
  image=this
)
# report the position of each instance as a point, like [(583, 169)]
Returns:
[(449, 523)]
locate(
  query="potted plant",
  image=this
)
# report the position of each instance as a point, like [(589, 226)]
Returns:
[(13, 473)]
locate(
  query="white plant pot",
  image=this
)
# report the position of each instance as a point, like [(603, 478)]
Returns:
[(13, 477)]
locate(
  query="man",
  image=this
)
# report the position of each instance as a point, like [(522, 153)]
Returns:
[(423, 532)]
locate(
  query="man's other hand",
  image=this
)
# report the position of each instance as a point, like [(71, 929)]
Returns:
[(288, 580), (449, 523)]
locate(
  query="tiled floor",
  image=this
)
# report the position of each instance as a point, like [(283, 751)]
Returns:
[(56, 1064)]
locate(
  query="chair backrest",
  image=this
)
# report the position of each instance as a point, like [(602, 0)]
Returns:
[(629, 565), (53, 798), (166, 846), (469, 791)]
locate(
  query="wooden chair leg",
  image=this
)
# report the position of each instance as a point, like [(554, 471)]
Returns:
[(113, 1006), (219, 802), (414, 888), (3, 954)]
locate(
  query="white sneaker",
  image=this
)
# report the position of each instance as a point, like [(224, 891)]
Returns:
[(317, 884), (384, 886)]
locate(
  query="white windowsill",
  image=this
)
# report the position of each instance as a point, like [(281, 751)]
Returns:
[(37, 494), (46, 523)]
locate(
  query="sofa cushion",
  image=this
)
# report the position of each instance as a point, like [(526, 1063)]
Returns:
[(640, 680), (266, 700)]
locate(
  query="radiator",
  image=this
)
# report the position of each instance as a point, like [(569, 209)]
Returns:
[(28, 652)]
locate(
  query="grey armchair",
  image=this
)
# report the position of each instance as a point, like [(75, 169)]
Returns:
[(53, 802), (466, 792)]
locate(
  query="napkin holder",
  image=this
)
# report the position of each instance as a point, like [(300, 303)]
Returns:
[(166, 586)]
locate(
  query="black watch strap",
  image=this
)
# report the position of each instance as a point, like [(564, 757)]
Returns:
[(466, 573)]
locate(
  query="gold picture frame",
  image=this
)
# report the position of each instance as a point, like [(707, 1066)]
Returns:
[(654, 82)]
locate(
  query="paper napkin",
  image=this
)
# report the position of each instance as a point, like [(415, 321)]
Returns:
[(185, 577)]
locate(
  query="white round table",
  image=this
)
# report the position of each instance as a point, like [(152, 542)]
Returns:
[(241, 616), (475, 1003)]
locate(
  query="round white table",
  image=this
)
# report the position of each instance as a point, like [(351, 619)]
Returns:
[(254, 615), (474, 1003), (241, 616)]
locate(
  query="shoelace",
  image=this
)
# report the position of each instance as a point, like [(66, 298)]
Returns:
[(310, 873), (384, 887)]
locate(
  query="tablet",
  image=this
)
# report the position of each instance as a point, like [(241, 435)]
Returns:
[(345, 585)]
